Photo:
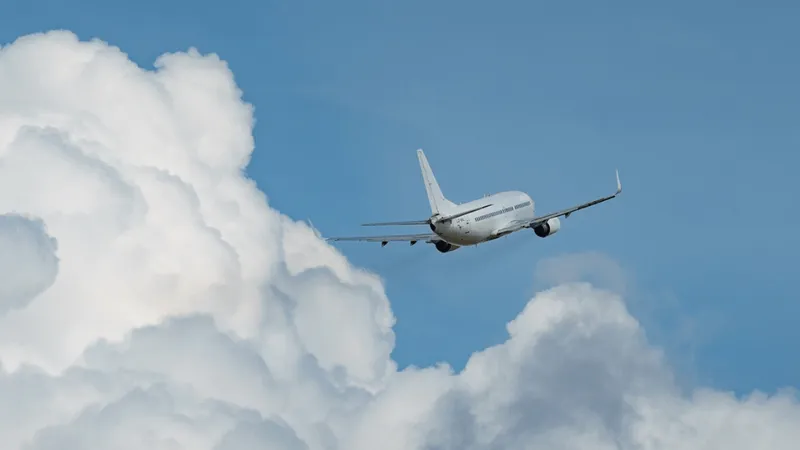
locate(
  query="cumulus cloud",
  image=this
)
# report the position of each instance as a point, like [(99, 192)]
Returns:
[(152, 299), (597, 268), (28, 260)]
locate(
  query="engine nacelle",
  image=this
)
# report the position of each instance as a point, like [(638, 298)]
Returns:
[(445, 247), (548, 228)]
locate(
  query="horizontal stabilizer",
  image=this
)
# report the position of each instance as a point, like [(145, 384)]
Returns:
[(407, 222), (463, 213)]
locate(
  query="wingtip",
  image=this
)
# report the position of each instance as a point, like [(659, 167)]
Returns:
[(619, 185), (314, 229)]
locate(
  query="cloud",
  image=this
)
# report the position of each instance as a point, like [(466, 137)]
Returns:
[(152, 299), (28, 260), (597, 268)]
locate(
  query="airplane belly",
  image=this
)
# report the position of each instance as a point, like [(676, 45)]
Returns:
[(458, 235), (463, 240)]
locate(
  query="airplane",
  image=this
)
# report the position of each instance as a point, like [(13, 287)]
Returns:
[(458, 225)]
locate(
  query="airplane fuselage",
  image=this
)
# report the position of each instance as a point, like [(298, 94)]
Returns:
[(481, 226)]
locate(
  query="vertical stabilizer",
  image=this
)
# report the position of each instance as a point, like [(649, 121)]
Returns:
[(439, 204)]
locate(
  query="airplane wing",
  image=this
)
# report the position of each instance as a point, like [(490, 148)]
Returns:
[(564, 212), (568, 211), (412, 238)]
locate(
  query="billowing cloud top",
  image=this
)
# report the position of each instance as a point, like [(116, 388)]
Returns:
[(151, 299)]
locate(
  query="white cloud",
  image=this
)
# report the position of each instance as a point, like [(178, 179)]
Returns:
[(593, 267), (28, 260), (152, 299)]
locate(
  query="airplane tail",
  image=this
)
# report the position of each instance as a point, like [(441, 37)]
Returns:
[(439, 204)]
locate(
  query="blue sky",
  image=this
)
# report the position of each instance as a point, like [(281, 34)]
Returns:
[(695, 103)]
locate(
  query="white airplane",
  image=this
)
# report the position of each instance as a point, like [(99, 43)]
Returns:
[(475, 222)]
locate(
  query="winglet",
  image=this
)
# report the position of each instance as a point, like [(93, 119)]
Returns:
[(314, 229), (619, 185)]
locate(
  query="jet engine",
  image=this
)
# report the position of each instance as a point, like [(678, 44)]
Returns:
[(445, 247), (548, 228)]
